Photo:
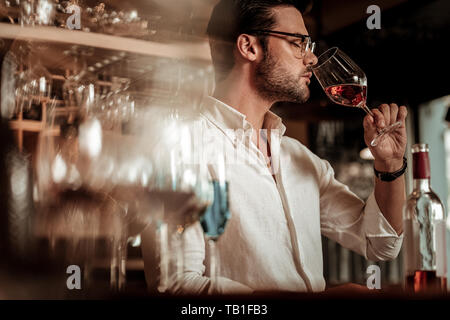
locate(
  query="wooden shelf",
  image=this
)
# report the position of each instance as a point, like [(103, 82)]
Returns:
[(31, 126), (132, 264), (180, 50), (26, 125)]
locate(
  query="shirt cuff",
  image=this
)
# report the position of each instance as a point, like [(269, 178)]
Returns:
[(376, 223), (228, 286), (383, 241)]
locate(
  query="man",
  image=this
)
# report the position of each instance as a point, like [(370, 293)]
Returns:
[(281, 206)]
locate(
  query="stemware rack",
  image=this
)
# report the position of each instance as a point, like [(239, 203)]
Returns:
[(106, 50)]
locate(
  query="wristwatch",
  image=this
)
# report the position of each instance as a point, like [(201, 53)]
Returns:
[(391, 176)]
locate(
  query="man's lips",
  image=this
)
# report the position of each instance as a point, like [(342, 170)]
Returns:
[(307, 76)]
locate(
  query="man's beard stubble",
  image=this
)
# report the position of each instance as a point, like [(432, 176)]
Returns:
[(276, 83)]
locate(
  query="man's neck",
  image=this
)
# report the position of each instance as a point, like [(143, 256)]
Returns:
[(239, 94), (245, 99)]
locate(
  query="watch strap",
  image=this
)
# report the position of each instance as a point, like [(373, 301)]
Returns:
[(391, 176)]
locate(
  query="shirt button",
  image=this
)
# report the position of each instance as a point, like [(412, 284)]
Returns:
[(239, 134)]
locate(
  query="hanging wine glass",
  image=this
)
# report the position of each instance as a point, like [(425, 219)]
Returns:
[(33, 81), (9, 90), (80, 89), (39, 82), (37, 12)]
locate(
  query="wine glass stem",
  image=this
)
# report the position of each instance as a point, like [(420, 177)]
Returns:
[(180, 257), (118, 263), (164, 258), (122, 254), (367, 110), (113, 267), (213, 273), (381, 132)]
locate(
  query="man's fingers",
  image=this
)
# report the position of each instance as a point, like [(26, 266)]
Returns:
[(402, 113), (385, 110), (379, 118), (394, 112), (368, 123)]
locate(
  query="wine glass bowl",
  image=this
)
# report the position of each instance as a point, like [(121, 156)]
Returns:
[(181, 184), (79, 161), (345, 83)]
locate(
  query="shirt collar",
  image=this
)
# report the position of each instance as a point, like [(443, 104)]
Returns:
[(226, 117)]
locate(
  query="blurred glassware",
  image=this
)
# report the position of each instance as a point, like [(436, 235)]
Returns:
[(214, 221), (45, 12), (180, 182), (80, 88), (33, 81), (79, 162), (7, 9), (37, 12), (8, 80), (39, 84), (93, 19), (27, 12)]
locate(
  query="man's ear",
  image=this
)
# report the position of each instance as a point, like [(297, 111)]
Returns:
[(248, 47)]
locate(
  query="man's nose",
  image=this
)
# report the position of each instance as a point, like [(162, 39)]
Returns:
[(310, 59)]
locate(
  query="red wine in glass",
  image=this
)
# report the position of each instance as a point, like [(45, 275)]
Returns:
[(350, 95)]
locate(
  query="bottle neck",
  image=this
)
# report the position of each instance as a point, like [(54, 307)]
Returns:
[(422, 185), (421, 169)]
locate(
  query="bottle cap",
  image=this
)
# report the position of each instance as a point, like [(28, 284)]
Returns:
[(421, 161), (420, 147)]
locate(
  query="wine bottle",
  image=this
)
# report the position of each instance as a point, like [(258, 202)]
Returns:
[(424, 226)]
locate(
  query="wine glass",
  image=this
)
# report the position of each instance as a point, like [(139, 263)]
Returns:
[(80, 89), (181, 184), (346, 84), (215, 218), (8, 88), (81, 165), (70, 207), (37, 12), (39, 84), (33, 83)]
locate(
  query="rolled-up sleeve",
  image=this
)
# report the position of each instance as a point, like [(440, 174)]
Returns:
[(356, 225), (193, 280), (383, 241)]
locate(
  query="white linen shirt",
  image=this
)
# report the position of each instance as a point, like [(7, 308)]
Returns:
[(273, 238)]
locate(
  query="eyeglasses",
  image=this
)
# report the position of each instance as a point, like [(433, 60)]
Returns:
[(300, 47)]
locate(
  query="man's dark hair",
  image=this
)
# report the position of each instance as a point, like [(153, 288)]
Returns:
[(231, 18)]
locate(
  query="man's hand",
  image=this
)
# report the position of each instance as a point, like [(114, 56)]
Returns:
[(391, 148)]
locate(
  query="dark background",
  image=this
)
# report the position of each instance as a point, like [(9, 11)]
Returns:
[(406, 61)]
